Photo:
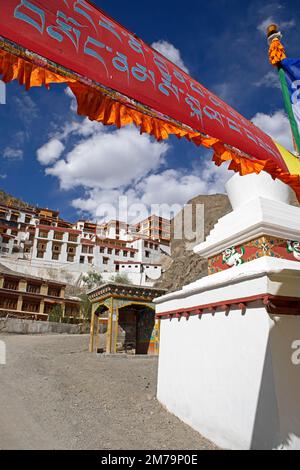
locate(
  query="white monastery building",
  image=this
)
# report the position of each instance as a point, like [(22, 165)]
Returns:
[(36, 241)]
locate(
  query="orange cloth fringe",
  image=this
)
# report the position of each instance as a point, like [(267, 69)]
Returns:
[(276, 52), (27, 74), (100, 107)]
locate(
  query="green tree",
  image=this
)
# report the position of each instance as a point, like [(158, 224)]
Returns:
[(86, 307), (92, 280), (56, 314), (121, 279)]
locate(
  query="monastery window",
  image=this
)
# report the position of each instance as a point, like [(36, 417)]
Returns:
[(27, 219), (131, 254), (14, 218), (54, 291), (102, 250), (70, 258), (125, 254), (91, 250), (32, 307), (90, 260), (58, 236), (73, 238), (155, 247), (55, 256), (33, 289), (43, 234), (71, 311), (40, 254), (146, 244), (147, 254), (117, 252), (11, 285), (14, 233), (84, 249), (10, 304), (81, 259), (42, 246), (109, 251), (105, 261)]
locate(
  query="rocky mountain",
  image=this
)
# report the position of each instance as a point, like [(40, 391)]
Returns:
[(185, 266), (9, 200)]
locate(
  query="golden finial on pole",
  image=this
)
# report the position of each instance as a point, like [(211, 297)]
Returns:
[(276, 50), (272, 29)]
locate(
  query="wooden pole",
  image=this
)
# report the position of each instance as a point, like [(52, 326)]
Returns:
[(92, 331)]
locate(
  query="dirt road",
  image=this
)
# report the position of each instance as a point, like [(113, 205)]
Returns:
[(55, 395)]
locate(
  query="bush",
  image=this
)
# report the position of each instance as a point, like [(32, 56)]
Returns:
[(86, 307), (121, 279), (56, 314), (92, 280)]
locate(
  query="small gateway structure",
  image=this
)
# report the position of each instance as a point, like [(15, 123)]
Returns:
[(226, 342), (126, 314)]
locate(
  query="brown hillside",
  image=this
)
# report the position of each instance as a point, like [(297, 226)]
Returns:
[(9, 200), (185, 266)]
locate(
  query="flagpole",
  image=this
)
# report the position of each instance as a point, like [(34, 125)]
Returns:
[(276, 55)]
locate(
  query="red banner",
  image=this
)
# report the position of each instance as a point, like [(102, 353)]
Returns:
[(80, 37)]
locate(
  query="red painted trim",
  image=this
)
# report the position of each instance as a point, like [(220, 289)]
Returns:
[(85, 241), (48, 228), (241, 303)]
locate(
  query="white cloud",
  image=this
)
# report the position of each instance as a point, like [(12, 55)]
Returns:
[(109, 160), (170, 187), (26, 108), (262, 27), (50, 152), (170, 52), (270, 80), (70, 94), (276, 126), (11, 153)]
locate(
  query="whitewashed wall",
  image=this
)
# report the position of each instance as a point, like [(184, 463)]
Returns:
[(232, 378)]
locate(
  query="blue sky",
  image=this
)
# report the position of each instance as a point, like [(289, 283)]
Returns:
[(51, 157)]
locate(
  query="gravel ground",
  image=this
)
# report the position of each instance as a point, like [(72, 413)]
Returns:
[(55, 395)]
